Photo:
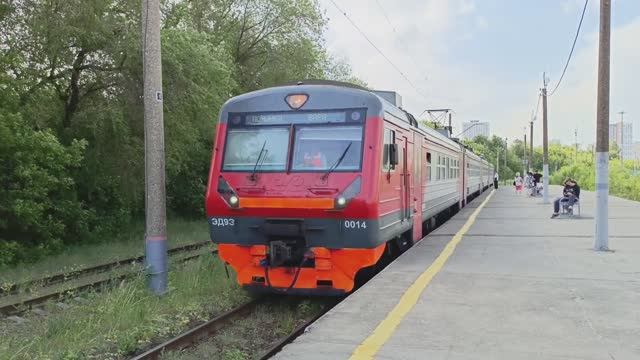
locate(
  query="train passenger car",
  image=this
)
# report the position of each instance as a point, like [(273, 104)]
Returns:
[(475, 179), (311, 183), (443, 178)]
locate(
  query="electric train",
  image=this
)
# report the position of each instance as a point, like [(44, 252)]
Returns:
[(314, 182)]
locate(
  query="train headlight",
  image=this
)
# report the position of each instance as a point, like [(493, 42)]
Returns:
[(227, 193), (349, 193), (233, 200)]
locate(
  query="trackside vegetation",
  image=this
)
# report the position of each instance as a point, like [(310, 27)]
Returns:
[(71, 112), (119, 321), (564, 162)]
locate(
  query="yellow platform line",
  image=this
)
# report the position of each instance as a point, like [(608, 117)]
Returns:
[(371, 345)]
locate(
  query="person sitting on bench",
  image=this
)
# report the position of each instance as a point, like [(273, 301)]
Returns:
[(570, 195)]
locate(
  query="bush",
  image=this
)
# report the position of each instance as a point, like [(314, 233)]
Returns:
[(37, 198), (622, 182)]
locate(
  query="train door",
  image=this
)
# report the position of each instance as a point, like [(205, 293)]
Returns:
[(406, 184), (418, 160), (465, 177)]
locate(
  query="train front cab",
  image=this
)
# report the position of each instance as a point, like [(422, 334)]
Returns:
[(285, 216)]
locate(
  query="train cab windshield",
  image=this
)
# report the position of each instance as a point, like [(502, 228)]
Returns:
[(301, 141)]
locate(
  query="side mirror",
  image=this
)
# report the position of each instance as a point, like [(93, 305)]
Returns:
[(393, 154)]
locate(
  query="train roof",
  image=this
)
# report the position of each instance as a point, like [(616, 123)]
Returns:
[(349, 96)]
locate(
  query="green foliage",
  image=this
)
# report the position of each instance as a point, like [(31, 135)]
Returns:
[(622, 181), (113, 323), (73, 70), (493, 150), (38, 204)]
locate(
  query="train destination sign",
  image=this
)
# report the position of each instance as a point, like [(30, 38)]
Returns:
[(298, 117)]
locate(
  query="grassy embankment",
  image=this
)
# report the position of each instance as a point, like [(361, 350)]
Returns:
[(129, 243), (114, 323)]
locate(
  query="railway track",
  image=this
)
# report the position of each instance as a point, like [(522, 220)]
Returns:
[(205, 331), (200, 332), (19, 307), (294, 334), (62, 277)]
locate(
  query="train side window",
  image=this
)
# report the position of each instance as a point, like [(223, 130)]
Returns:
[(447, 169), (389, 138)]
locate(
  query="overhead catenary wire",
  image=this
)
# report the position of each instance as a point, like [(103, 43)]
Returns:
[(575, 39), (378, 49), (395, 31), (401, 39), (535, 115)]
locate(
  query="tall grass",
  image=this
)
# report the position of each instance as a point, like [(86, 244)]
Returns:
[(115, 322), (127, 244)]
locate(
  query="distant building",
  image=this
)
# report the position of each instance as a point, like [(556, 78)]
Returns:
[(623, 136), (473, 128)]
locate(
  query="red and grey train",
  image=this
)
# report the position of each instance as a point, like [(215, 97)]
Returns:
[(312, 183)]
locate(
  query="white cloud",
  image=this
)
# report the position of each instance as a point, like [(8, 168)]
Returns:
[(481, 23), (421, 48), (574, 104), (466, 6)]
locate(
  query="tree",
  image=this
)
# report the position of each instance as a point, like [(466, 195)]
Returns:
[(71, 72), (38, 206)]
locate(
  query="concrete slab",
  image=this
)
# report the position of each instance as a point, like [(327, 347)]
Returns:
[(518, 286)]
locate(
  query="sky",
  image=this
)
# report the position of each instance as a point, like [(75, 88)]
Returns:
[(485, 59)]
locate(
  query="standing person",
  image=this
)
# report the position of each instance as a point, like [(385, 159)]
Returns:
[(528, 182), (536, 183), (495, 180), (518, 182), (570, 195)]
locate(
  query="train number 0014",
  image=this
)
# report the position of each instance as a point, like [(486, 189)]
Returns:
[(222, 222), (355, 224)]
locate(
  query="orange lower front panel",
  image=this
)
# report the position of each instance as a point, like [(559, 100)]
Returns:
[(334, 269)]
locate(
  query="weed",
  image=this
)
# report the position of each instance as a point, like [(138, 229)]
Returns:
[(235, 354), (119, 320), (129, 243)]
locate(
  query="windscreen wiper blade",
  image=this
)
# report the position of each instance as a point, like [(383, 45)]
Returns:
[(255, 167), (337, 163)]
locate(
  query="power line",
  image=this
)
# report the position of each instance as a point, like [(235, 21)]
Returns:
[(384, 12), (584, 9), (378, 49), (537, 106), (386, 17)]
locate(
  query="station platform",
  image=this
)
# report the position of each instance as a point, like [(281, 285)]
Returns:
[(500, 280)]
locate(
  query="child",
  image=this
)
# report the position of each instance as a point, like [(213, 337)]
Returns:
[(518, 182)]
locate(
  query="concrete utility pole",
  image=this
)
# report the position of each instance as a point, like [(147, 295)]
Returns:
[(506, 147), (545, 143), (531, 163), (155, 199), (601, 242), (622, 138), (524, 154)]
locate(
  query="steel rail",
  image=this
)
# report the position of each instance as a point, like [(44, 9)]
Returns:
[(200, 332), (295, 333), (62, 277), (22, 306)]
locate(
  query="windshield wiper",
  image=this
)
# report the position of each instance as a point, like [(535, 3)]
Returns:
[(255, 167), (335, 165)]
